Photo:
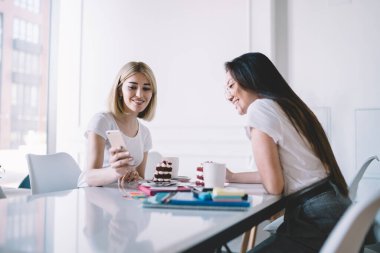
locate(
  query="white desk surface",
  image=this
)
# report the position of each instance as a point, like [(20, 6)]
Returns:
[(99, 219), (10, 181)]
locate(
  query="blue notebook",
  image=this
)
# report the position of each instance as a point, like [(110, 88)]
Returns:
[(186, 200)]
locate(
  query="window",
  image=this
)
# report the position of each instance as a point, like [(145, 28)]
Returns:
[(30, 5), (23, 83)]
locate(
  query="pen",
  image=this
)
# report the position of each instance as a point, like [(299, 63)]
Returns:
[(168, 197)]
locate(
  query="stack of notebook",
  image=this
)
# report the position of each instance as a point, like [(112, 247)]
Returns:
[(228, 195), (215, 199)]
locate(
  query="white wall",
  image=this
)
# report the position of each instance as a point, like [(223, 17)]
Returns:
[(333, 62), (186, 43), (327, 51), (68, 76)]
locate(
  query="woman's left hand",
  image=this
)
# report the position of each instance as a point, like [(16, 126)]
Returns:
[(229, 176)]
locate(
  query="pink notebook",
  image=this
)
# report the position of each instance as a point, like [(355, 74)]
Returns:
[(151, 190)]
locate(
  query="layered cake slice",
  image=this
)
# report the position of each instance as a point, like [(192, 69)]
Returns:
[(199, 180), (163, 173)]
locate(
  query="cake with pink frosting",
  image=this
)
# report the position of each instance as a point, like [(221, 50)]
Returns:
[(199, 180)]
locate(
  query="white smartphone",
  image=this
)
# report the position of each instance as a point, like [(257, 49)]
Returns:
[(115, 138)]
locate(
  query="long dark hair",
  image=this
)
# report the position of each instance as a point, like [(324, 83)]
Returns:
[(255, 72)]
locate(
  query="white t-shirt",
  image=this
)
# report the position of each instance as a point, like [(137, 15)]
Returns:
[(137, 145), (301, 167)]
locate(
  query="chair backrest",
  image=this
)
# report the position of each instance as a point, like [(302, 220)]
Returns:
[(2, 194), (55, 172), (353, 188), (349, 233), (154, 158), (25, 184)]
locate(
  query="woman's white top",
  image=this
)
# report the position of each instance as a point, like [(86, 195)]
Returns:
[(301, 167), (137, 145)]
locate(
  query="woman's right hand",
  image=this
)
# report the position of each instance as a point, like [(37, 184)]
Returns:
[(121, 160)]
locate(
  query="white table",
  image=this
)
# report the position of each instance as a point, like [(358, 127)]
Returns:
[(99, 219), (10, 181)]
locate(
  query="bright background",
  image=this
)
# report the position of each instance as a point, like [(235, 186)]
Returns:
[(327, 51)]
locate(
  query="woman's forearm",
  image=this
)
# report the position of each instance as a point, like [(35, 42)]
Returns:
[(245, 178), (100, 177)]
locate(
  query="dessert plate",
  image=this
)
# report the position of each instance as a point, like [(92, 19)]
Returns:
[(182, 179), (161, 184)]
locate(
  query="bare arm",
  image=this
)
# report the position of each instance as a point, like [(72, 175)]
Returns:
[(141, 168), (119, 161), (268, 163), (243, 177), (95, 174)]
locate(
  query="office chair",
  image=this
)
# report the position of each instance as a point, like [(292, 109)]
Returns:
[(2, 195), (349, 233), (25, 184), (353, 189), (55, 172), (249, 239)]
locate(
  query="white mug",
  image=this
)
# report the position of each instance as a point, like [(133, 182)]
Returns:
[(175, 164), (214, 174)]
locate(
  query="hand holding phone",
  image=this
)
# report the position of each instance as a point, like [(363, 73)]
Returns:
[(115, 138)]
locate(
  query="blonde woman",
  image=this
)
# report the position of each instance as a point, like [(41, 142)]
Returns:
[(133, 97)]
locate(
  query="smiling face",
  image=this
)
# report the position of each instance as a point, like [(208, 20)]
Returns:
[(239, 97), (137, 93)]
